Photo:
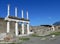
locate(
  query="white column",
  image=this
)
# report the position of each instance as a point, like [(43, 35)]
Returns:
[(22, 28), (16, 28), (8, 26), (15, 12), (27, 14), (22, 14), (8, 12), (28, 28), (53, 28)]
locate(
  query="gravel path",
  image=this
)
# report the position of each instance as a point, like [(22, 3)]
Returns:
[(38, 40)]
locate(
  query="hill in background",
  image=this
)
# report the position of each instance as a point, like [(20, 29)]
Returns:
[(56, 23)]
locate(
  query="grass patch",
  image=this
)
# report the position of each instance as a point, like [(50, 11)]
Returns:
[(11, 43), (14, 43), (35, 35), (24, 39), (55, 33)]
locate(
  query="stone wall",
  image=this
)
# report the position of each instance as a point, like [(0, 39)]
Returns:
[(2, 26), (41, 30), (57, 28)]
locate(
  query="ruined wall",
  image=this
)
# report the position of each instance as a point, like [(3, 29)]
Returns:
[(41, 30), (57, 28), (2, 25)]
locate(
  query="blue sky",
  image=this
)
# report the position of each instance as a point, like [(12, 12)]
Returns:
[(40, 11)]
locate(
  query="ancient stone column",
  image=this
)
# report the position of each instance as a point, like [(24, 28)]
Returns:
[(28, 28), (22, 28), (27, 14), (53, 28), (22, 14), (15, 11), (16, 28), (8, 12), (8, 26)]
